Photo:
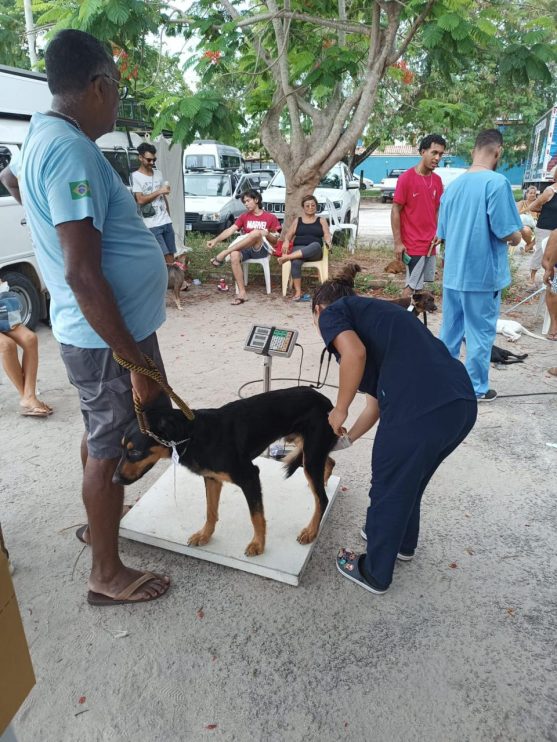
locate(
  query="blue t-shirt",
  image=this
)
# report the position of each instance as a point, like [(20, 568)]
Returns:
[(64, 177), (408, 370), (477, 211)]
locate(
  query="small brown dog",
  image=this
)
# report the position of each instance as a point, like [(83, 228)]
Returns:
[(395, 266), (176, 277), (421, 301)]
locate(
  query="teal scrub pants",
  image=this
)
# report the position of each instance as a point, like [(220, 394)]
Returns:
[(472, 315)]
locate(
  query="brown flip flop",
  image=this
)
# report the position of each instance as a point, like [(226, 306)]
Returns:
[(35, 412), (124, 597), (237, 301)]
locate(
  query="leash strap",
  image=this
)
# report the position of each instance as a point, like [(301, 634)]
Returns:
[(321, 384), (153, 373)]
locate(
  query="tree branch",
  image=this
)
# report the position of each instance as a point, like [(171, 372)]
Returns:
[(342, 17), (412, 32), (357, 28), (255, 39)]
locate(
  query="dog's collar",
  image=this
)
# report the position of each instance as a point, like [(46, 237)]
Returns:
[(167, 444)]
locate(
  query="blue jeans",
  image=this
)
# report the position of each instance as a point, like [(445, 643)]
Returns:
[(165, 237), (472, 315)]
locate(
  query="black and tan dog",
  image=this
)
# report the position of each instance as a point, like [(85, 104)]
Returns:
[(220, 445)]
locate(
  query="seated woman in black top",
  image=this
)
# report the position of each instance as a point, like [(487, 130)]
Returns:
[(309, 231), (425, 403)]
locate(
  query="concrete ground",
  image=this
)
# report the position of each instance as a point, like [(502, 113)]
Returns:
[(461, 648)]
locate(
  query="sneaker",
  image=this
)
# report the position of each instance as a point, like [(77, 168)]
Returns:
[(489, 396), (401, 555)]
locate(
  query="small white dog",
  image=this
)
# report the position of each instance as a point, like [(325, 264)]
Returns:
[(512, 330)]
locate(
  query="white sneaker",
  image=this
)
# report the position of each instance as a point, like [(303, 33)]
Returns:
[(400, 556)]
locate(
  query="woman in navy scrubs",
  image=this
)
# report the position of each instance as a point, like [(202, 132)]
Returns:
[(423, 399)]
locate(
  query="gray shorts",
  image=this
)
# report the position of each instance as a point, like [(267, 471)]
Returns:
[(417, 273), (253, 253), (105, 394)]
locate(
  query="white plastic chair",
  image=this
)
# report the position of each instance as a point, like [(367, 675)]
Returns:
[(264, 262), (335, 225), (321, 265)]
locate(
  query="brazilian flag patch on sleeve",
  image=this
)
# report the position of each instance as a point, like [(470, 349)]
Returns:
[(80, 189)]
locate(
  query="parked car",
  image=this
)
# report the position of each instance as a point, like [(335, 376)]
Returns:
[(252, 166), (366, 184), (213, 199), (261, 178), (339, 186), (388, 184), (448, 174)]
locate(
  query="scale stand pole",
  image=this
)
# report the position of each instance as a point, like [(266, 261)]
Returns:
[(267, 366)]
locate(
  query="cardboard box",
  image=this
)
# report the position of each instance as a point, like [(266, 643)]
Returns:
[(16, 671)]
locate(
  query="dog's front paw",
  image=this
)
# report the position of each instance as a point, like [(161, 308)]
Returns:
[(254, 548), (306, 536), (199, 539)]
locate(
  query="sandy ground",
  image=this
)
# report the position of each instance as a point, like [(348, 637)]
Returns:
[(462, 647)]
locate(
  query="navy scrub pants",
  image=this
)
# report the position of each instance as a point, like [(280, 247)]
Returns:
[(404, 458)]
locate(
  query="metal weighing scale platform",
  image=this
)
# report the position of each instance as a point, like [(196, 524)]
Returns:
[(164, 519)]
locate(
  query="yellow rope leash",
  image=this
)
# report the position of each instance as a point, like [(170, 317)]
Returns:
[(153, 373)]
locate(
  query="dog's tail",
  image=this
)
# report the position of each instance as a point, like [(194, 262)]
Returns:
[(533, 334), (294, 459)]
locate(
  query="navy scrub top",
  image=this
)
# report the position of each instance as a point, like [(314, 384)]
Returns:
[(408, 370)]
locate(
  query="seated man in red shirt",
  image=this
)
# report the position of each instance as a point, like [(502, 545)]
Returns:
[(414, 214), (260, 230)]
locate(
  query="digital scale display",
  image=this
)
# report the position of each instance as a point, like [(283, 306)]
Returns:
[(271, 341)]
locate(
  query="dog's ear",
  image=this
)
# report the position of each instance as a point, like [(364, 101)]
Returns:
[(170, 425)]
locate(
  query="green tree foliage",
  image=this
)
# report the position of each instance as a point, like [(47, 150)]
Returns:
[(134, 30), (13, 44), (320, 72), (508, 79), (308, 77)]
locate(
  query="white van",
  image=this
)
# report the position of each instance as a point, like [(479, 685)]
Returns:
[(18, 265), (208, 154)]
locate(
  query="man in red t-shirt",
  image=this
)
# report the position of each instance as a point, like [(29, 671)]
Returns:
[(261, 230), (414, 214)]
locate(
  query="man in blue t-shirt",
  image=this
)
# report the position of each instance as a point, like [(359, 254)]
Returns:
[(478, 216), (107, 280)]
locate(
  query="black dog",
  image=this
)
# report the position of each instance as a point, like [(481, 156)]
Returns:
[(505, 357), (421, 301), (220, 445)]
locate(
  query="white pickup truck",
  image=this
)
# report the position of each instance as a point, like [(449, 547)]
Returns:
[(388, 184)]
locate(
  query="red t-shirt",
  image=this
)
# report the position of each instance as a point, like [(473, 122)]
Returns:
[(247, 222), (420, 195)]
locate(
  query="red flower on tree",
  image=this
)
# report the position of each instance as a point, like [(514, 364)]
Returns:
[(213, 57), (407, 74)]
